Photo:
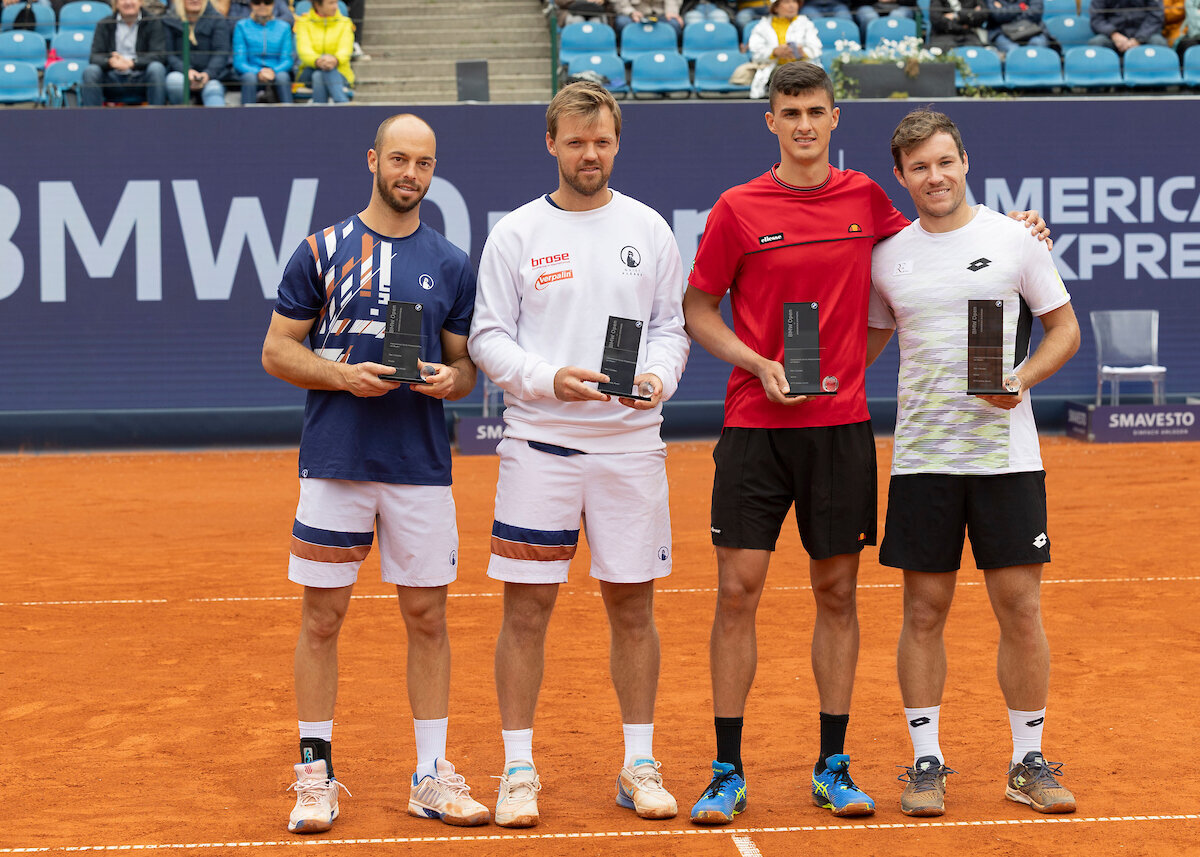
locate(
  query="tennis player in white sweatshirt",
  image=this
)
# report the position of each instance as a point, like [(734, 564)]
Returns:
[(552, 274)]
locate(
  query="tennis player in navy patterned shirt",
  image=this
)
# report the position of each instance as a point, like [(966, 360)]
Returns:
[(375, 457)]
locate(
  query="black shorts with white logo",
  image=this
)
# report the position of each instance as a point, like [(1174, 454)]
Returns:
[(828, 472), (928, 514)]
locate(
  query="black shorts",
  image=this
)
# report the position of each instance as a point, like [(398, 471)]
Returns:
[(1004, 515), (827, 471)]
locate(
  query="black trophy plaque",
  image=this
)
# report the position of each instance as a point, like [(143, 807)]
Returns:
[(621, 343), (402, 342), (985, 349), (802, 351)]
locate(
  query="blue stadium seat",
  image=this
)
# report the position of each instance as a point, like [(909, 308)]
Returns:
[(661, 73), (834, 30), (23, 46), (649, 38), (713, 71), (1147, 65), (1059, 7), (892, 29), (1069, 30), (43, 12), (73, 45), (62, 79), (609, 66), (585, 38), (705, 36), (82, 15), (1092, 67), (1032, 68), (1191, 66), (985, 65), (302, 7), (19, 83)]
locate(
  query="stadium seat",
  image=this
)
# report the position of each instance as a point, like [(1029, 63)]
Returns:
[(834, 30), (82, 15), (23, 46), (1092, 67), (584, 39), (661, 73), (650, 38), (1147, 65), (1069, 30), (705, 36), (42, 11), (985, 65), (1032, 68), (1059, 7), (62, 79), (19, 83), (1127, 350), (302, 7), (609, 66), (73, 45), (713, 71), (1191, 66), (892, 29)]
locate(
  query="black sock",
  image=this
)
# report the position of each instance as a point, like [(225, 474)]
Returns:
[(312, 749), (729, 741), (833, 737)]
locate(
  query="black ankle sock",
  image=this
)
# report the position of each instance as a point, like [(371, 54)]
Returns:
[(833, 737), (729, 741), (312, 749)]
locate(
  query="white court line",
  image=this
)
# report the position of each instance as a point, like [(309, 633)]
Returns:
[(604, 834), (745, 846), (702, 590)]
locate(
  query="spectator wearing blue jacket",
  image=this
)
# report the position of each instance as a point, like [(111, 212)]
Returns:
[(1001, 12), (264, 53), (1125, 24)]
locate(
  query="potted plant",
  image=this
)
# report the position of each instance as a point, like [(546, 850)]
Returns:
[(903, 69)]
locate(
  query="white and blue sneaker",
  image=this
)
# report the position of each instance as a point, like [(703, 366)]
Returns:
[(445, 795)]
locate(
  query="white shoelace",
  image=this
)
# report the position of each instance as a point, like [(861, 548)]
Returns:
[(455, 783), (647, 777), (311, 792), (521, 790)]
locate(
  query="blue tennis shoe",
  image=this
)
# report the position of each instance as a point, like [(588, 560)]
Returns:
[(724, 798), (834, 790)]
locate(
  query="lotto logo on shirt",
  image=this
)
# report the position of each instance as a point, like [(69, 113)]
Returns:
[(549, 277)]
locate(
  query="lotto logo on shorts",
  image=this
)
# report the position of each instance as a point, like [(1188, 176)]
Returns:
[(1041, 541), (549, 277)]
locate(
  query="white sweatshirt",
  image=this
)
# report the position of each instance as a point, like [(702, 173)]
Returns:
[(548, 281)]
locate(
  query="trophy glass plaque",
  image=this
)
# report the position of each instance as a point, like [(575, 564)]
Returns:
[(621, 343), (802, 351), (402, 342), (985, 351)]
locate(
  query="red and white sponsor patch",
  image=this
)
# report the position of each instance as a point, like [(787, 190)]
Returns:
[(549, 277)]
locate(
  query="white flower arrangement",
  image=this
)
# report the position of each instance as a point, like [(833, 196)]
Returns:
[(908, 54)]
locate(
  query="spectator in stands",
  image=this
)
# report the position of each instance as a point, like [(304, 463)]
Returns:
[(1172, 20), (1125, 24), (1191, 26), (704, 11), (1015, 23), (748, 12), (786, 36), (210, 53), (829, 9), (239, 9), (866, 11), (263, 54), (637, 11), (576, 11), (324, 43), (957, 22), (128, 50)]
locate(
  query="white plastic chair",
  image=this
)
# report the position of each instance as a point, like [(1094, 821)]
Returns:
[(1127, 350)]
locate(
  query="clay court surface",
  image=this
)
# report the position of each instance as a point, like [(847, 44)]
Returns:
[(148, 627)]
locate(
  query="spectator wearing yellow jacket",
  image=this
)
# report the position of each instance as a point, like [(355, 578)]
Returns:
[(324, 43)]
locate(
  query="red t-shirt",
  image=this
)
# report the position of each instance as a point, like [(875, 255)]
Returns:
[(768, 243)]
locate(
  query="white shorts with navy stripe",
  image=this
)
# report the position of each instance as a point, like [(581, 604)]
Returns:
[(336, 521), (544, 498)]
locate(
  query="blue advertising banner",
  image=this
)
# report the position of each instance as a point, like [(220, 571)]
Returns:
[(140, 249), (1133, 423)]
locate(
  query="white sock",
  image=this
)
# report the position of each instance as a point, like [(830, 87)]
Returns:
[(431, 744), (1026, 732), (923, 730), (322, 729), (518, 746), (639, 741)]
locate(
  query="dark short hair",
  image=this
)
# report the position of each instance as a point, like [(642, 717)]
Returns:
[(917, 127), (794, 78)]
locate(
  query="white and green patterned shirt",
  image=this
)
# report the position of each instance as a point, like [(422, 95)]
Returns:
[(922, 283)]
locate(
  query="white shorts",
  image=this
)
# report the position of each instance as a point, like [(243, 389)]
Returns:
[(337, 519), (541, 498)]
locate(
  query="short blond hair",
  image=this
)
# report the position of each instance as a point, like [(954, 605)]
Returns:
[(585, 100)]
